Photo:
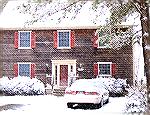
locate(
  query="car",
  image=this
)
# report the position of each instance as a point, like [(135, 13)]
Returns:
[(87, 92)]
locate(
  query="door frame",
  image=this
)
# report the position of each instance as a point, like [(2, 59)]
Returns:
[(56, 79)]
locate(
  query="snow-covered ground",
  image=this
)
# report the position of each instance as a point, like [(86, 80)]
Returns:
[(49, 104)]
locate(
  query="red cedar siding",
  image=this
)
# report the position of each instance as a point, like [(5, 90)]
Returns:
[(95, 38), (95, 69), (16, 40), (32, 70), (55, 39), (33, 40), (16, 70), (72, 44), (113, 69)]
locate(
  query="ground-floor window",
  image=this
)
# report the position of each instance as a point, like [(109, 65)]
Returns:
[(105, 69), (24, 69)]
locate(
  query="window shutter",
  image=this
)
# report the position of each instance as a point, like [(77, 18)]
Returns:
[(33, 40), (95, 69), (16, 70), (113, 69), (16, 40), (32, 70), (72, 41), (95, 40), (55, 39)]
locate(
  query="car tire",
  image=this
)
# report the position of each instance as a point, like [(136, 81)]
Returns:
[(97, 106), (102, 103), (107, 101), (69, 105)]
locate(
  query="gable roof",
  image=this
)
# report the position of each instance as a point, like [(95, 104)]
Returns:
[(86, 18)]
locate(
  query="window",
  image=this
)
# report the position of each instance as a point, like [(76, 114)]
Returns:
[(24, 39), (104, 38), (24, 70), (104, 69), (64, 39)]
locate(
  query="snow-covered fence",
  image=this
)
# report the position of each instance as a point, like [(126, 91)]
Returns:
[(22, 86)]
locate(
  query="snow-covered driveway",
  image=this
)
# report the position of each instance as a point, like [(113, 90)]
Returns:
[(56, 105)]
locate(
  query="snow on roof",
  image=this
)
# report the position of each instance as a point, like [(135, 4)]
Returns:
[(86, 18)]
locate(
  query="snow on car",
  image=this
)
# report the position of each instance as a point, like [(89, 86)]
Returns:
[(86, 91)]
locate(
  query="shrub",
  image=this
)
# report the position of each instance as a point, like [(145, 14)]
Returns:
[(22, 86), (116, 87)]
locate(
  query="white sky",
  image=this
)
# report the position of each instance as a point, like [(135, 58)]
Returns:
[(11, 18)]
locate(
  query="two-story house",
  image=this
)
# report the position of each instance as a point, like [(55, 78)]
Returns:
[(55, 54)]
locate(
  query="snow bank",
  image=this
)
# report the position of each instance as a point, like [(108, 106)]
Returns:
[(136, 101), (22, 86)]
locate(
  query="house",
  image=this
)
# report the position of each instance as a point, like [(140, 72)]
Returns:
[(56, 54)]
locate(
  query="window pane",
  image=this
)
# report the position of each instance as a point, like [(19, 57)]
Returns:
[(24, 39), (104, 69), (24, 70), (63, 39)]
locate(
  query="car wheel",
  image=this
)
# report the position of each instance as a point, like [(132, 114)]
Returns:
[(97, 106), (102, 102), (69, 105), (107, 101)]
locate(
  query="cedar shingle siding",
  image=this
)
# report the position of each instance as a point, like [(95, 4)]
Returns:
[(45, 50)]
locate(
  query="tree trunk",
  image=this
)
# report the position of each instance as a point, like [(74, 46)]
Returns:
[(144, 8)]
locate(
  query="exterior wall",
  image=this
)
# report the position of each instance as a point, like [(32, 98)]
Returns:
[(84, 53)]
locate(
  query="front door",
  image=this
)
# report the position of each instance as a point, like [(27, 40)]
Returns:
[(63, 75)]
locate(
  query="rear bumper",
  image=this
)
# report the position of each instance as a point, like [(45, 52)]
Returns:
[(82, 99)]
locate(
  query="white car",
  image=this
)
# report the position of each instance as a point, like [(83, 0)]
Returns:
[(86, 91)]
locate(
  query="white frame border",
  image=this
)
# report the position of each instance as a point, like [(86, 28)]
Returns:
[(19, 40), (58, 39)]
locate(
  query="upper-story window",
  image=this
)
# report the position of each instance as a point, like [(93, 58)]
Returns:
[(64, 39), (104, 40), (24, 39)]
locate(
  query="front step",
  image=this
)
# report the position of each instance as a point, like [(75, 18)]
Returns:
[(55, 91), (59, 92)]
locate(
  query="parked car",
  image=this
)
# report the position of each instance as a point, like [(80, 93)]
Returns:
[(86, 92)]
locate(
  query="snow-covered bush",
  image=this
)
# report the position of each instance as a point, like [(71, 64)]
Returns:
[(136, 101), (22, 86), (116, 87)]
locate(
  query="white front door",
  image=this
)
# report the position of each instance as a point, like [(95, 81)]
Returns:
[(62, 71)]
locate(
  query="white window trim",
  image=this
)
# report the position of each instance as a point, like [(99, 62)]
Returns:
[(58, 39), (107, 75), (19, 40), (24, 63)]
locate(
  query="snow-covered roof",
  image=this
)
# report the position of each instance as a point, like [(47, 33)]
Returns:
[(51, 14)]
